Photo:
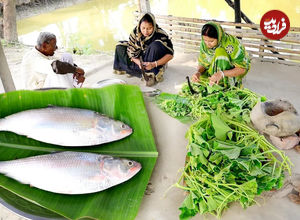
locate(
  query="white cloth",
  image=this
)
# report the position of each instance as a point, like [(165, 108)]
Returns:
[(37, 72)]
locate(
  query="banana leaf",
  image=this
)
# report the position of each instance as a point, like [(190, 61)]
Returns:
[(121, 102)]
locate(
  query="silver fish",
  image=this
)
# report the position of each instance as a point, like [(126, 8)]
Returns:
[(108, 82), (65, 126), (71, 172)]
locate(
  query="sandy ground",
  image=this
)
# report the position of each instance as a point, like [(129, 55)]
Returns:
[(271, 80)]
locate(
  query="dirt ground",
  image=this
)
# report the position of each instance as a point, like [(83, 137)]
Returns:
[(161, 203), (269, 79)]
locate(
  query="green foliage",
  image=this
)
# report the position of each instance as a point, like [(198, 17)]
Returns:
[(74, 45), (236, 102), (176, 106), (222, 169), (11, 44), (228, 161)]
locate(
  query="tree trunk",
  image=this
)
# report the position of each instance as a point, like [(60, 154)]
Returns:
[(5, 75), (10, 21), (1, 27)]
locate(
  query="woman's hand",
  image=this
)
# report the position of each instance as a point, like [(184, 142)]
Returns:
[(216, 77), (149, 65), (137, 62), (196, 77)]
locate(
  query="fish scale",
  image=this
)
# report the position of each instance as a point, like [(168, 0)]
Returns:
[(65, 126), (71, 172)]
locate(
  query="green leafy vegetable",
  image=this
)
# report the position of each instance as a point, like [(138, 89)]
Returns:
[(228, 161), (233, 170)]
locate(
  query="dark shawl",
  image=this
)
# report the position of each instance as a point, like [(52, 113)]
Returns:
[(138, 43)]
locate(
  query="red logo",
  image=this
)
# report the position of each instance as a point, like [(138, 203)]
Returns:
[(275, 24)]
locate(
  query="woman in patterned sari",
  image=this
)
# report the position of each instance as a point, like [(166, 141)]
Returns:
[(152, 44), (222, 57)]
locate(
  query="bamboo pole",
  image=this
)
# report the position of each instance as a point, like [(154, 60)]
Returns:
[(144, 6), (243, 35), (248, 44), (184, 41), (191, 45), (289, 57), (194, 49), (197, 29), (262, 48), (294, 47), (186, 34), (196, 20), (5, 75), (290, 63)]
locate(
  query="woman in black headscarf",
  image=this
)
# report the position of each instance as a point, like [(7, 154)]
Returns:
[(152, 44)]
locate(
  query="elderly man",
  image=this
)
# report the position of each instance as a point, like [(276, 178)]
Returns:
[(41, 69)]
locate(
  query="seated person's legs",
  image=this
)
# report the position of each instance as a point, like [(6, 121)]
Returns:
[(154, 52), (122, 63)]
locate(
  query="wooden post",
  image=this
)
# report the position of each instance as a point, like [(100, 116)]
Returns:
[(244, 17), (10, 21), (261, 50), (144, 6), (5, 75), (1, 27), (237, 11)]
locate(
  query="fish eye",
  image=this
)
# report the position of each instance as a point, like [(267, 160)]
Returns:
[(123, 126), (130, 163)]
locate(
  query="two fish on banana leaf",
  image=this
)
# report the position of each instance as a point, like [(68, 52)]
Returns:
[(68, 172)]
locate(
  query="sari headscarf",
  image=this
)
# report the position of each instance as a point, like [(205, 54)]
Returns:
[(138, 43), (236, 51)]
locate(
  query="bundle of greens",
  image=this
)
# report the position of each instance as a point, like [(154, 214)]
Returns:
[(227, 161), (235, 102), (174, 105)]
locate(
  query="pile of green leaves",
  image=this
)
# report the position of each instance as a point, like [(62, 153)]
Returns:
[(236, 102), (174, 105), (228, 161)]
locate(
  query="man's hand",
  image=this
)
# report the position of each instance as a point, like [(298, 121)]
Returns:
[(79, 78), (196, 77), (79, 71)]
